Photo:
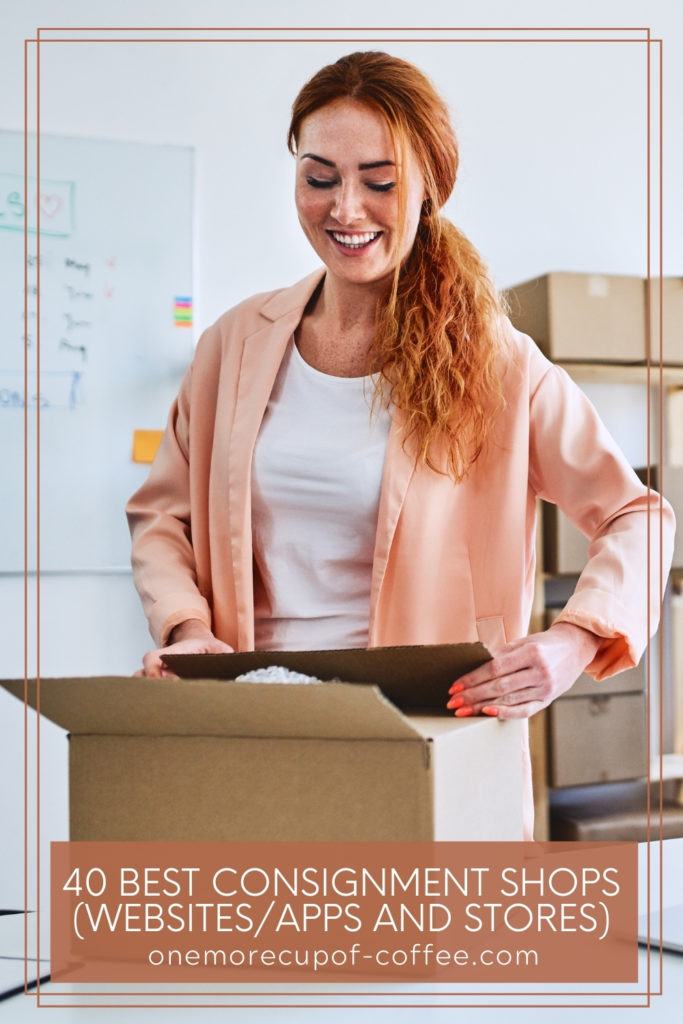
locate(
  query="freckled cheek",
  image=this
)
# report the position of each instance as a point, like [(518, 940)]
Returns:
[(312, 210), (386, 211)]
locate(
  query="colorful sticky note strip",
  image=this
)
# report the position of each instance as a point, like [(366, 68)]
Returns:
[(182, 311), (145, 444)]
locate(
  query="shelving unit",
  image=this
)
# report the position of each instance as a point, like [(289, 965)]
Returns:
[(624, 373), (667, 393)]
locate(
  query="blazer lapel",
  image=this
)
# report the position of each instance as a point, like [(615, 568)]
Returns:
[(261, 359)]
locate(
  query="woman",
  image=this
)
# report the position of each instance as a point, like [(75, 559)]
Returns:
[(280, 515)]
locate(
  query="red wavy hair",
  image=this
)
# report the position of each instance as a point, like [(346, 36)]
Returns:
[(436, 339)]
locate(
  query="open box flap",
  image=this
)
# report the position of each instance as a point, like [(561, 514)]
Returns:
[(412, 677), (162, 707)]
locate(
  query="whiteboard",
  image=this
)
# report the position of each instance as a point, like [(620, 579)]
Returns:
[(115, 292)]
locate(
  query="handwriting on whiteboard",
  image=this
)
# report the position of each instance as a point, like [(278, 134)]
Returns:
[(54, 205), (58, 389), (74, 289)]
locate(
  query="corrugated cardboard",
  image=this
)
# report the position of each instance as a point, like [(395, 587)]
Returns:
[(672, 320), (583, 317), (673, 425), (411, 676), (676, 605), (597, 739), (616, 811), (565, 548), (597, 729), (212, 759)]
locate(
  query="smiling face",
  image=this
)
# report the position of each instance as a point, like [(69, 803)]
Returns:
[(346, 195)]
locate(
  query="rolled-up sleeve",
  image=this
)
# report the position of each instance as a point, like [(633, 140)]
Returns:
[(158, 516), (576, 464)]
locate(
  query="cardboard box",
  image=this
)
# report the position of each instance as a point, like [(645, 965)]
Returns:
[(565, 548), (583, 317), (673, 426), (597, 739), (600, 317), (676, 605), (597, 729), (374, 757), (616, 811), (672, 322)]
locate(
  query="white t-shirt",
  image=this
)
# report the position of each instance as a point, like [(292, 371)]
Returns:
[(316, 476)]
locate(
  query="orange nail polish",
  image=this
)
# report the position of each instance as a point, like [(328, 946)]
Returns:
[(490, 711), (456, 702), (457, 687), (464, 712)]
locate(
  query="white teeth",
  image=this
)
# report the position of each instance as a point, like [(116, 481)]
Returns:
[(354, 241)]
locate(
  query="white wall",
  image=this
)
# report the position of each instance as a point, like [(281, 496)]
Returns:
[(552, 178), (552, 136)]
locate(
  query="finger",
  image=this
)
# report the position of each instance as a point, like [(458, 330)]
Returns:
[(518, 710), (152, 665), (140, 672), (504, 688), (523, 696), (510, 699), (504, 663)]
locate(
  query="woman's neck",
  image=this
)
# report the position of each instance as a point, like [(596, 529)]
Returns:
[(336, 331), (347, 307)]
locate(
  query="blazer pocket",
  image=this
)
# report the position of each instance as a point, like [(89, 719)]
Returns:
[(491, 632)]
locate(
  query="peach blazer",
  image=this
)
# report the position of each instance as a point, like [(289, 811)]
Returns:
[(451, 562)]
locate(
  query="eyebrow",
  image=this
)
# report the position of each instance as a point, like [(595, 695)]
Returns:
[(361, 167)]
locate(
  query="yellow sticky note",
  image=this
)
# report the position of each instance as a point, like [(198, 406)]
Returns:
[(145, 444)]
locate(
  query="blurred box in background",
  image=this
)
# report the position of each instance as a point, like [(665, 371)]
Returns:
[(576, 317), (584, 317), (676, 606), (565, 548), (615, 811), (597, 729), (672, 320)]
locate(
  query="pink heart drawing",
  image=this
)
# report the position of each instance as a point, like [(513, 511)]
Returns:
[(50, 204)]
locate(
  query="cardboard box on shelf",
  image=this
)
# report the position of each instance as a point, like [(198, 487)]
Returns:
[(565, 548), (676, 605), (615, 811), (597, 739), (672, 320), (373, 757), (597, 729), (579, 317), (673, 426), (583, 317)]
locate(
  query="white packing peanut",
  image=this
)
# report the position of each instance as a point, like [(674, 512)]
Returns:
[(275, 674)]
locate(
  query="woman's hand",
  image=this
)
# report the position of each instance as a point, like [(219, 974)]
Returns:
[(525, 675), (191, 637)]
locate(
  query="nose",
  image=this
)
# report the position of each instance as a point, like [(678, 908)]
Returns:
[(348, 207)]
